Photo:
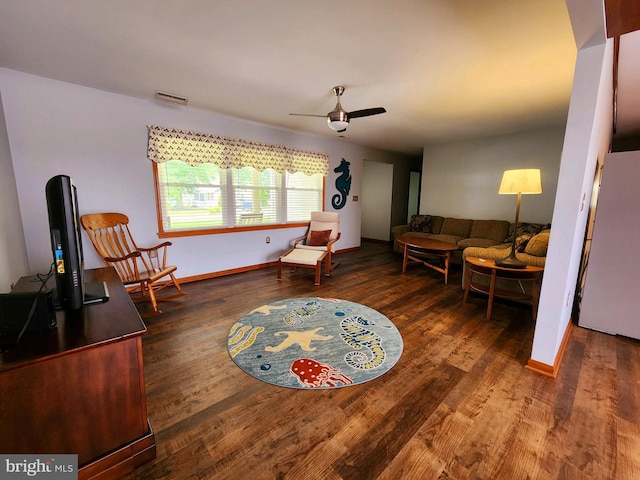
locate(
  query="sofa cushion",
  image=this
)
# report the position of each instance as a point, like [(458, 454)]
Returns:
[(460, 227), (538, 244), (477, 242), (421, 223), (492, 229), (417, 234), (446, 238), (436, 223)]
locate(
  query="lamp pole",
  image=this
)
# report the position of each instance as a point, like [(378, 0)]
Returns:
[(512, 261)]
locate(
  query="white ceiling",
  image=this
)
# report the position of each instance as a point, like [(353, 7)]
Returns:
[(443, 69)]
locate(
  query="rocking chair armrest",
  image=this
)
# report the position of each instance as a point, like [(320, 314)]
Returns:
[(157, 247), (120, 259)]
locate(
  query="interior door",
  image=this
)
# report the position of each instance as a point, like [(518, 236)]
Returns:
[(377, 188)]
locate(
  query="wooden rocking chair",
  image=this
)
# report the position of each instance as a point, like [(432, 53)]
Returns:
[(143, 271)]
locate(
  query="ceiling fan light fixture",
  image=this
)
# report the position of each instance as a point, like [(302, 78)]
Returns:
[(337, 125), (338, 120)]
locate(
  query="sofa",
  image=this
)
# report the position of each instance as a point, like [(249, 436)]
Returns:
[(488, 239), (463, 232)]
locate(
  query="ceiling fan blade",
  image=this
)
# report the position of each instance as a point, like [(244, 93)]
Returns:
[(366, 112), (307, 115)]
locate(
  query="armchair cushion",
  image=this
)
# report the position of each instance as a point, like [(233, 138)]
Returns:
[(319, 238), (324, 223)]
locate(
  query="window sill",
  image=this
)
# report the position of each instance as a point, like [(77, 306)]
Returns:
[(215, 231)]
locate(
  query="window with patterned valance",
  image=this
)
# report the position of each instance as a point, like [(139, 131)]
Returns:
[(196, 148), (215, 184)]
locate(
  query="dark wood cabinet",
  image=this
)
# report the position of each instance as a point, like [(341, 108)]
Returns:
[(79, 388)]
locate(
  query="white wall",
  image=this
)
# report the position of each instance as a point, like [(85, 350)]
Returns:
[(99, 139), (611, 296), (13, 254), (377, 183), (461, 179), (587, 138)]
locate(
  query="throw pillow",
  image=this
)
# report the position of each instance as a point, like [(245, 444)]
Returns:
[(421, 223), (522, 241), (319, 238), (538, 244), (530, 229)]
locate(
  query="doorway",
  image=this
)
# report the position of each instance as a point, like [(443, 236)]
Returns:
[(414, 194), (377, 193)]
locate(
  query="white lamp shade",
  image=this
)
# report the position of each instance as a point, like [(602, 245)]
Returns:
[(525, 181)]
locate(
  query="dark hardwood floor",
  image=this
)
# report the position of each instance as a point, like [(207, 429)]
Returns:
[(459, 403)]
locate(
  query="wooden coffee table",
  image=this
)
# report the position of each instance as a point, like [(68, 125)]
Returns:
[(424, 250)]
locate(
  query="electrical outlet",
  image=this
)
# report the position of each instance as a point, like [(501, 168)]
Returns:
[(268, 240)]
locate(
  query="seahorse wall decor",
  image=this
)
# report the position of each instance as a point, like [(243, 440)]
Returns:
[(343, 185)]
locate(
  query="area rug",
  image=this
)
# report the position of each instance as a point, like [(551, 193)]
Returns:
[(314, 343)]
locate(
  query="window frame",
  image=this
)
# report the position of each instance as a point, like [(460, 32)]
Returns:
[(213, 231)]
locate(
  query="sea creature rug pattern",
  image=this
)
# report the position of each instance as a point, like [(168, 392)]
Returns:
[(314, 343)]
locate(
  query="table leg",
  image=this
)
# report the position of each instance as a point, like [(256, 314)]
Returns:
[(492, 289), (467, 283), (535, 295), (405, 259), (447, 260), (279, 269)]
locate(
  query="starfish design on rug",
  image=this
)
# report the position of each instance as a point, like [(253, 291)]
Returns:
[(303, 339), (266, 309)]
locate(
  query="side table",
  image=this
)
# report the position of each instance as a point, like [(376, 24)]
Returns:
[(489, 269)]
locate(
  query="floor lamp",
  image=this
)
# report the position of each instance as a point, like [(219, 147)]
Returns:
[(524, 181)]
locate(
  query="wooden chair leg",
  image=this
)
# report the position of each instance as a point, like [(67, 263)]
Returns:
[(176, 284), (152, 297), (318, 267), (330, 263)]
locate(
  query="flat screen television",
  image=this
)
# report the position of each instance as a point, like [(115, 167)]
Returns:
[(66, 242)]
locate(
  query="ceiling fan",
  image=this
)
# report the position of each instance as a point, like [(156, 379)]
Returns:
[(338, 118)]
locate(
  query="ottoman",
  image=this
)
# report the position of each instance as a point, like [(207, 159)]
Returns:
[(299, 257)]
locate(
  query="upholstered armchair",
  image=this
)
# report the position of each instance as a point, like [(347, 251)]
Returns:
[(322, 234)]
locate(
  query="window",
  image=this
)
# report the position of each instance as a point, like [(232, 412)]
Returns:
[(198, 191)]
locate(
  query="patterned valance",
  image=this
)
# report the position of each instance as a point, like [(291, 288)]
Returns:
[(196, 148)]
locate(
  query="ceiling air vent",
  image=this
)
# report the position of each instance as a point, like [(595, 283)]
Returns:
[(171, 98)]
